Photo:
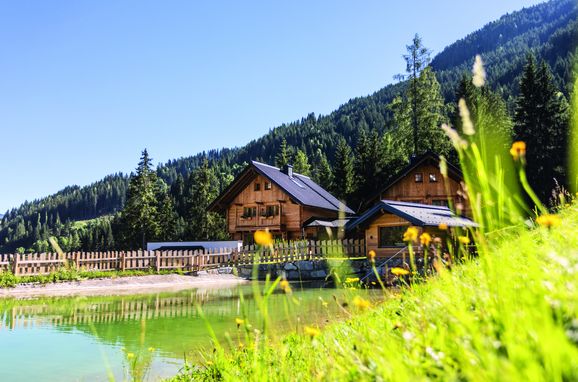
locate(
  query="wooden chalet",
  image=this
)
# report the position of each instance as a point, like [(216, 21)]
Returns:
[(418, 196), (422, 182), (285, 203)]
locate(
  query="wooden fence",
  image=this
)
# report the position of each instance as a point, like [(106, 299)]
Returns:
[(184, 260)]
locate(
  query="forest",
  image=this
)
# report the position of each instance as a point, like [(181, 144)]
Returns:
[(528, 57)]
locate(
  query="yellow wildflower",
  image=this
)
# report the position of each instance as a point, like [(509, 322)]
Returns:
[(410, 234), (361, 303), (284, 284), (548, 220), (399, 271), (311, 331), (443, 226), (151, 349), (263, 238), (239, 321), (425, 239), (518, 150), (130, 355), (371, 255), (350, 280), (464, 240)]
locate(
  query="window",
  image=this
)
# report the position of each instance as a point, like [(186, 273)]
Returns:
[(271, 211), (440, 202), (257, 187), (249, 212), (418, 177), (391, 236), (267, 185), (433, 178)]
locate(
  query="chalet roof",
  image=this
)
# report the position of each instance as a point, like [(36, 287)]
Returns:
[(328, 223), (299, 187), (417, 214)]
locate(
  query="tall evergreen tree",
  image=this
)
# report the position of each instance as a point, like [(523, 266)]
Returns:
[(343, 175), (368, 164), (140, 214), (417, 59), (323, 173), (282, 157), (301, 163), (204, 225), (425, 105), (541, 120)]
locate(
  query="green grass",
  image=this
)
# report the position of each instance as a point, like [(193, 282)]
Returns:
[(9, 280), (511, 314)]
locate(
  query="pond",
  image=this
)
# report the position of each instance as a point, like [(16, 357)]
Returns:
[(144, 337)]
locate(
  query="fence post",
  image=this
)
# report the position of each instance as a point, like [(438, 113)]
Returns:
[(15, 264), (75, 260), (158, 261), (122, 265)]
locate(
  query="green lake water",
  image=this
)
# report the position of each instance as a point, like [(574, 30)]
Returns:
[(142, 337)]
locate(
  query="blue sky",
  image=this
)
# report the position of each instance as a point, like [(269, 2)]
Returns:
[(86, 85)]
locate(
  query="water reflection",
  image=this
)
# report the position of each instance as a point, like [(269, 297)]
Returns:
[(140, 337)]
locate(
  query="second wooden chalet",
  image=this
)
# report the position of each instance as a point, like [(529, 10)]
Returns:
[(279, 200)]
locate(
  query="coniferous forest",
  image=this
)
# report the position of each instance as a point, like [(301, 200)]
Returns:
[(352, 152)]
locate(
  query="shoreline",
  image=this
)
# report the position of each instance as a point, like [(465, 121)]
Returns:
[(123, 285)]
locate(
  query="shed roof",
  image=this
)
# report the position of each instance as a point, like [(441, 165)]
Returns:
[(416, 213), (300, 188)]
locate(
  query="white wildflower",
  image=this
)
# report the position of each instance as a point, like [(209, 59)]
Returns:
[(479, 72), (467, 125), (457, 141)]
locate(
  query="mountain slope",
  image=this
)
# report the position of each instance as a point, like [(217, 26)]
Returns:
[(549, 30)]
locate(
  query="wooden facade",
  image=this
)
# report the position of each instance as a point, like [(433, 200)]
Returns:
[(397, 226), (422, 183), (264, 205), (264, 197)]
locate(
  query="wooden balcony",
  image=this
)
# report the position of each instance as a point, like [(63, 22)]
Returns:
[(260, 222)]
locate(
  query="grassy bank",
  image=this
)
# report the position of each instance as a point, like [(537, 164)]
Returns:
[(511, 314), (9, 280)]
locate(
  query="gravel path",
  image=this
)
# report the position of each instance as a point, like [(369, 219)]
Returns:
[(124, 285)]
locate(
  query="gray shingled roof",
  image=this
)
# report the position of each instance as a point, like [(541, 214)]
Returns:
[(417, 214), (304, 190)]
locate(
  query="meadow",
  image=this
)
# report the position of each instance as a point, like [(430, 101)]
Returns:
[(509, 313)]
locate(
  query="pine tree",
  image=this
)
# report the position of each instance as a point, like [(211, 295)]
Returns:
[(204, 225), (541, 121), (368, 164), (343, 176), (416, 59), (282, 157), (423, 104), (323, 173), (301, 163), (140, 214)]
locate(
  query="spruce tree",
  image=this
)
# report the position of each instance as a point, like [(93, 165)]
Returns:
[(423, 105), (323, 172), (282, 157), (541, 120), (140, 214), (343, 176), (204, 225), (301, 163)]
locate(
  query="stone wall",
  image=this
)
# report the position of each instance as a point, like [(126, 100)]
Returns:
[(308, 270)]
